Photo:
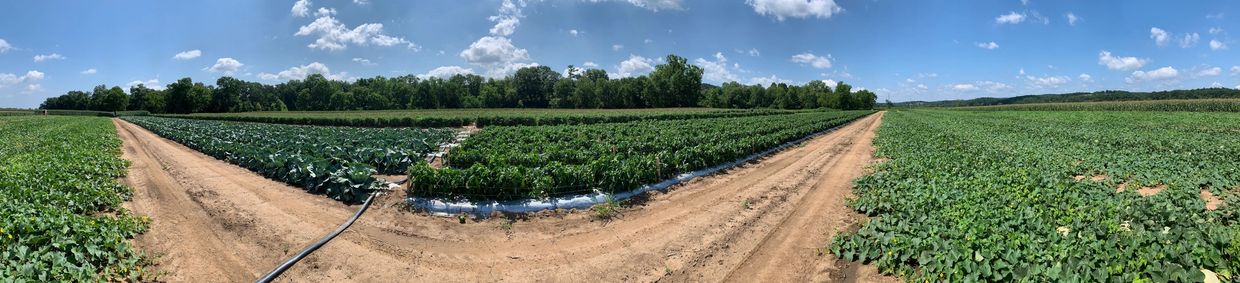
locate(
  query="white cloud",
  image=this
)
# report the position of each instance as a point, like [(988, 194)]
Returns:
[(33, 88), (987, 45), (334, 35), (1120, 63), (324, 11), (1010, 18), (820, 62), (53, 56), (1209, 72), (301, 72), (1160, 36), (301, 8), (1048, 81), (508, 19), (226, 65), (574, 32), (765, 81), (1217, 45), (589, 64), (754, 52), (1072, 19), (151, 83), (782, 9), (363, 61), (1190, 40), (1216, 30), (4, 46), (361, 2), (964, 87), (30, 78), (715, 71), (1024, 2), (616, 47), (447, 71), (496, 54), (648, 41), (1235, 70), (186, 55), (1086, 78), (635, 66), (90, 71), (1157, 74)]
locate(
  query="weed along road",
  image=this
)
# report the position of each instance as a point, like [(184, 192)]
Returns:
[(767, 219)]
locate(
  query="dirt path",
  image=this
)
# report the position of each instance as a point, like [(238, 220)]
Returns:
[(765, 221)]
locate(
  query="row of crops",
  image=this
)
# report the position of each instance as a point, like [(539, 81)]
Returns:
[(1190, 105), (1036, 196), (480, 117), (60, 203), (502, 163), (335, 161)]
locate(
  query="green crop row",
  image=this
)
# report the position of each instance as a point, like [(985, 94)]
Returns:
[(480, 117), (1188, 105), (60, 203), (335, 161), (542, 161), (1035, 197)]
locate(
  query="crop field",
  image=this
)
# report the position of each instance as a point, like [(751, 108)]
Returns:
[(1051, 196), (335, 161), (542, 161), (1185, 105), (60, 202), (480, 117)]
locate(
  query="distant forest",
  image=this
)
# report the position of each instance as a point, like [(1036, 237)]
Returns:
[(672, 84), (1106, 95)]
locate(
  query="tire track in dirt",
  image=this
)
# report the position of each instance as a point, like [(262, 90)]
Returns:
[(746, 224)]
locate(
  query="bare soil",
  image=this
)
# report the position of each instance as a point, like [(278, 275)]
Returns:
[(765, 221)]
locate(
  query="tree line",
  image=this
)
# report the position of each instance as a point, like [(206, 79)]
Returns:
[(675, 83)]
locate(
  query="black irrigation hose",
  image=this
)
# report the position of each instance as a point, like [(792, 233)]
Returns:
[(287, 264)]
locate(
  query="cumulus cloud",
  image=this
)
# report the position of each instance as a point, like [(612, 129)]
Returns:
[(301, 8), (717, 70), (361, 2), (1086, 78), (616, 47), (1160, 36), (987, 45), (964, 87), (819, 62), (226, 65), (186, 55), (1216, 30), (589, 64), (324, 11), (45, 57), (635, 66), (782, 9), (447, 71), (1217, 45), (1210, 72), (1048, 81), (765, 81), (1120, 63), (1163, 73), (1072, 19), (363, 61), (90, 71), (754, 52), (31, 77), (301, 72), (151, 83), (574, 32), (987, 86), (496, 54), (1010, 18), (508, 19), (5, 46), (1190, 40), (333, 35)]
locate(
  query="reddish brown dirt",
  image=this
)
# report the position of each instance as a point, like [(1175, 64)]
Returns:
[(764, 221)]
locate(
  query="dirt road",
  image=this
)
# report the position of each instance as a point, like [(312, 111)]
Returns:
[(765, 221)]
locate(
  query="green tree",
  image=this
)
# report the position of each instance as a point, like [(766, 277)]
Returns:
[(534, 85), (675, 83)]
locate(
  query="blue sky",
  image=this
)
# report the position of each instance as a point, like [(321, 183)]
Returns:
[(903, 50)]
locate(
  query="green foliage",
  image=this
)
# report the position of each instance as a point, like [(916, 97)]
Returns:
[(60, 203), (480, 117), (334, 161), (1097, 96), (1196, 105), (542, 161), (1032, 196)]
